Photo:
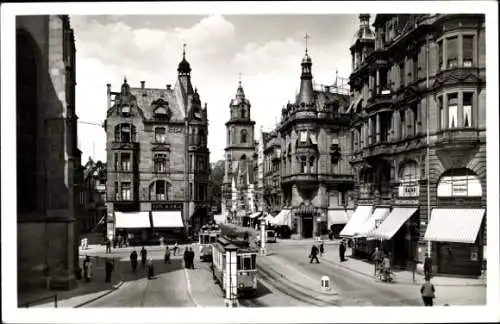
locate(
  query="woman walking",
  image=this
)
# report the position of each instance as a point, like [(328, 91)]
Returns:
[(87, 269)]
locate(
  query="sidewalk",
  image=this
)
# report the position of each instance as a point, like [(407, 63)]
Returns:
[(84, 293), (404, 277)]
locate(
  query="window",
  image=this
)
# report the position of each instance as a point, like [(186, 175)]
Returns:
[(467, 108), (159, 190), (191, 191), (303, 137), (160, 135), (311, 164), (125, 162), (303, 164), (402, 124), (161, 111), (383, 80), (242, 113), (160, 163), (451, 52), (414, 118), (201, 137), (452, 111), (468, 49), (343, 198), (125, 109), (117, 190), (442, 116), (440, 54), (243, 136), (117, 162), (126, 191), (124, 133), (402, 74), (459, 183)]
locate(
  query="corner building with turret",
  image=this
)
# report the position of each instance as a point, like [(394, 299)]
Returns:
[(158, 165), (312, 159)]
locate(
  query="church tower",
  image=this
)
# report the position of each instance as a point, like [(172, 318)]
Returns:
[(240, 147)]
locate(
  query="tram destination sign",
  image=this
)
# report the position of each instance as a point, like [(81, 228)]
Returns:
[(166, 206)]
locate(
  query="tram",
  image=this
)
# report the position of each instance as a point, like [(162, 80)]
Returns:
[(246, 265), (207, 237)]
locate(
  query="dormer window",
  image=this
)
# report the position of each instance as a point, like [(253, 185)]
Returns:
[(303, 137), (161, 111)]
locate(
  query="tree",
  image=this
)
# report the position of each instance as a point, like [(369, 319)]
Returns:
[(216, 179)]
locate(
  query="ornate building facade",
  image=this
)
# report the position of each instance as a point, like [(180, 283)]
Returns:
[(413, 76), (306, 159), (93, 197), (158, 169), (48, 158), (238, 191)]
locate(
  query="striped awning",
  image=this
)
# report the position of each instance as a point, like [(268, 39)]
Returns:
[(454, 225), (132, 220), (393, 223), (361, 214), (379, 215), (337, 217)]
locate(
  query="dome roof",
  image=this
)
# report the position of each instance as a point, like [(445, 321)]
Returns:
[(184, 66), (364, 33)]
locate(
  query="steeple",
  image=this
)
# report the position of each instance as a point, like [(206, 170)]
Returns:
[(240, 94), (184, 73), (306, 94), (125, 87)]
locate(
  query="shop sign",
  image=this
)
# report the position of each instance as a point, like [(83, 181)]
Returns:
[(409, 190), (166, 206)]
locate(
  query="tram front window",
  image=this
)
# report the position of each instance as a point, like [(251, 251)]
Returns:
[(212, 239), (246, 262)]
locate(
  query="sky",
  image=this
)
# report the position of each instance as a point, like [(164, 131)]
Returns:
[(265, 49)]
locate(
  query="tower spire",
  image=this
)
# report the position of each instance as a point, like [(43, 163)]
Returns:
[(184, 51), (239, 79), (306, 38)]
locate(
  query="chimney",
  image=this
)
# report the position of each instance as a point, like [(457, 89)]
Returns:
[(143, 83), (169, 87), (327, 88), (109, 95)]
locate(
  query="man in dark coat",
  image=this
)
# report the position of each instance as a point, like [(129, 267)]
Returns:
[(133, 260), (427, 267), (314, 254), (108, 246), (167, 255), (342, 249), (108, 268), (144, 256), (191, 258), (186, 257), (377, 259), (427, 291)]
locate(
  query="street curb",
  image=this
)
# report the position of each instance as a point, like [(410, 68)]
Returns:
[(404, 283), (115, 287)]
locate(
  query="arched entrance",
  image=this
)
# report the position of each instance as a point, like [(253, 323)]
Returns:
[(26, 122), (307, 216)]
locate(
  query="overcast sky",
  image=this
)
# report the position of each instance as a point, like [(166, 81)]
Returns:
[(265, 49)]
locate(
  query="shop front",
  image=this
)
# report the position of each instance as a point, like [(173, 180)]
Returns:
[(167, 222), (337, 219), (309, 221), (133, 226)]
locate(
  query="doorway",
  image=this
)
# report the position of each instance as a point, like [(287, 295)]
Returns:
[(307, 226)]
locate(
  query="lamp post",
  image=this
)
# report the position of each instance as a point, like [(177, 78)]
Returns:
[(231, 279), (263, 250)]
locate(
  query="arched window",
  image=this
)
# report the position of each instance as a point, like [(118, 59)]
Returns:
[(311, 164), (459, 183), (409, 175), (243, 136), (161, 111), (303, 164), (242, 113), (160, 135), (125, 133), (160, 163), (158, 190), (201, 137), (366, 183)]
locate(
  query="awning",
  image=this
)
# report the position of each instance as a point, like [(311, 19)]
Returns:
[(361, 214), (269, 218), (454, 225), (132, 220), (255, 214), (378, 216), (167, 219), (393, 223), (313, 139), (337, 217), (283, 218), (219, 219)]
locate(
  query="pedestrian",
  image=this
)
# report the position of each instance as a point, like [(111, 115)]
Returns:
[(108, 268), (108, 245), (377, 258), (176, 247), (120, 241), (144, 256), (386, 267), (321, 248), (428, 292), (186, 258), (342, 249), (151, 271), (314, 254), (427, 267), (133, 260), (191, 258), (115, 241), (167, 255), (87, 269)]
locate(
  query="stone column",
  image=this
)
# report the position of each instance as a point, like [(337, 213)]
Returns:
[(445, 109), (377, 84), (370, 131)]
